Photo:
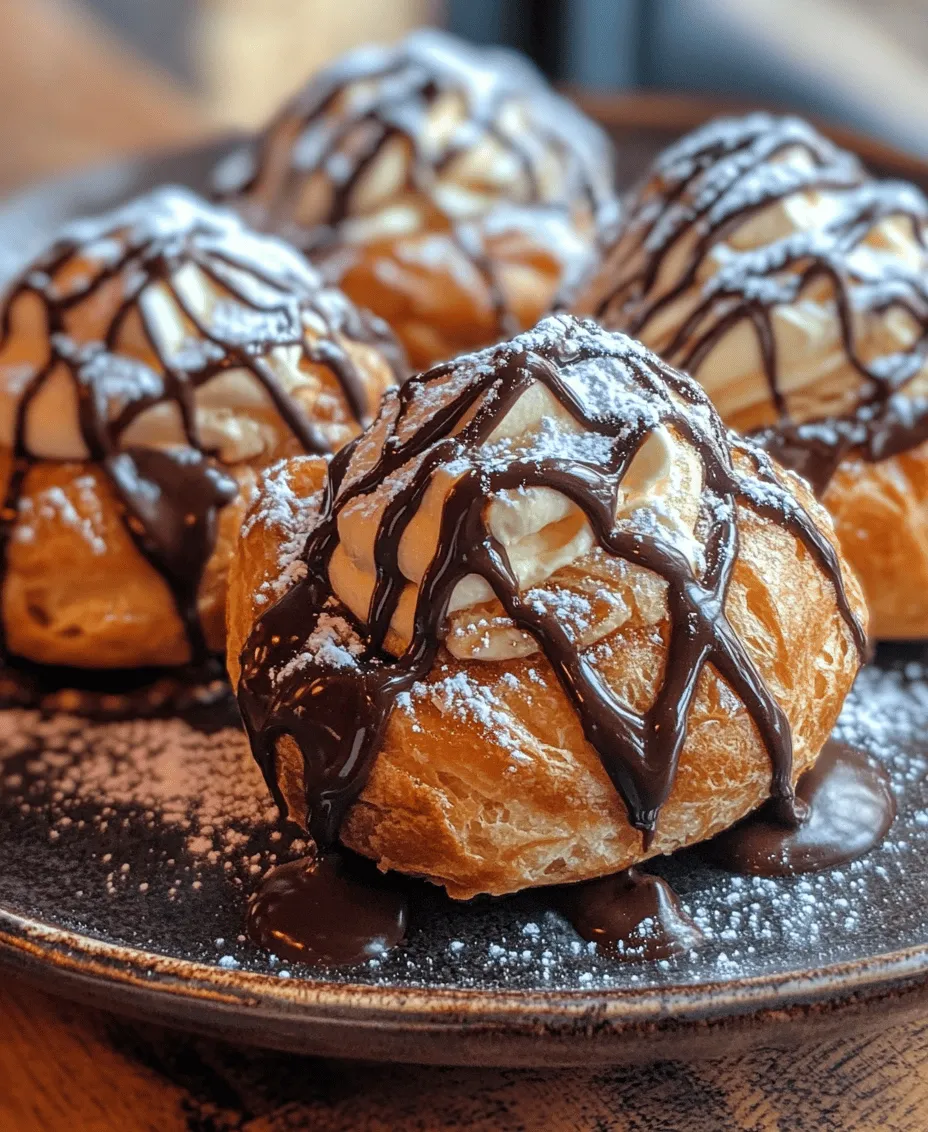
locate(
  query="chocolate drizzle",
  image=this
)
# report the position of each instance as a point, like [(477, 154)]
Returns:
[(337, 715), (172, 500), (707, 186), (302, 177), (266, 297)]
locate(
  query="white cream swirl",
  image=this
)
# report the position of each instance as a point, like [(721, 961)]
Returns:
[(814, 371), (215, 284), (541, 530)]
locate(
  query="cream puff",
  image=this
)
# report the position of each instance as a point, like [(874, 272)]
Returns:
[(794, 286), (446, 188), (543, 620), (152, 361)]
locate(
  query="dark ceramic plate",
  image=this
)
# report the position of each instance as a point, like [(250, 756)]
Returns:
[(127, 851)]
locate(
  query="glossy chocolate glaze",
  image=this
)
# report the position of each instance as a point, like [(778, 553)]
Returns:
[(338, 910), (630, 915), (844, 807), (171, 497), (709, 184), (337, 715), (338, 126), (332, 911)]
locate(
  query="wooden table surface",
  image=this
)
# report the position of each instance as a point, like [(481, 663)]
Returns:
[(69, 97), (65, 1068)]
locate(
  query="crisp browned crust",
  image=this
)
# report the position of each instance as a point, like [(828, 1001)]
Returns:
[(256, 560), (880, 511), (440, 301), (78, 592), (448, 800)]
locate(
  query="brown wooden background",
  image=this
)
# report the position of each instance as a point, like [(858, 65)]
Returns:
[(64, 1068)]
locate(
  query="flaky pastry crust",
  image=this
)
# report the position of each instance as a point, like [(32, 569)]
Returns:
[(110, 608), (880, 513), (492, 801), (442, 301)]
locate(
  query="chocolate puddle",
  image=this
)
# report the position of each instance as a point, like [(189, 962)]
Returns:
[(630, 915), (338, 910), (845, 808), (341, 911), (332, 911)]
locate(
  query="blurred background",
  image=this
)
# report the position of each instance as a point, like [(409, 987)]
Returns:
[(80, 79)]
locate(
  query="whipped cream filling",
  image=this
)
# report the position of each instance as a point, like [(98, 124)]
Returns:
[(485, 173), (814, 372), (396, 135), (228, 407), (541, 530)]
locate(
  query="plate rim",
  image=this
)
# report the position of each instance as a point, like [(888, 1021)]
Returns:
[(28, 939), (528, 1029)]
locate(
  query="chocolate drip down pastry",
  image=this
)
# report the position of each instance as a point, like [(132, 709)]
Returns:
[(544, 619), (152, 361), (794, 286), (446, 188)]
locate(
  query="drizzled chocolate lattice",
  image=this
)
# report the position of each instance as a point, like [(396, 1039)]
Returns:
[(615, 390), (677, 239), (448, 139), (439, 102), (90, 313)]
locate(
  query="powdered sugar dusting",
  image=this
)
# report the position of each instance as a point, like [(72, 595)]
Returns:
[(146, 775), (155, 832), (332, 643), (291, 517), (460, 696)]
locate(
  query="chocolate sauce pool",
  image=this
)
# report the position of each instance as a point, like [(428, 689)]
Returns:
[(630, 915), (845, 806), (339, 911), (332, 911)]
